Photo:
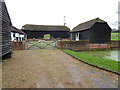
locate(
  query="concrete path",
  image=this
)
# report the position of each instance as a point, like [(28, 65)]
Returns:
[(53, 69)]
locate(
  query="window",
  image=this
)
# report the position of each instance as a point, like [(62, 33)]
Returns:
[(13, 34)]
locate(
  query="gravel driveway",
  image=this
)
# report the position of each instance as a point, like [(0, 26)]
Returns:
[(53, 69)]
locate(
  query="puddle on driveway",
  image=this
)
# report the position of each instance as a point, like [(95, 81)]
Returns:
[(76, 76), (91, 78), (103, 83)]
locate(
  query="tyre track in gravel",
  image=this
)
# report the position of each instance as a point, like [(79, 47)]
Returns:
[(53, 69)]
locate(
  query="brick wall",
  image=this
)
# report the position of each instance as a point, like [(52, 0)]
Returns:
[(115, 44), (19, 45), (81, 45), (99, 46), (73, 45)]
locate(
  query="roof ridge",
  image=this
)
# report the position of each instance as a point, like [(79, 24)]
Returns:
[(45, 27), (41, 25), (95, 19)]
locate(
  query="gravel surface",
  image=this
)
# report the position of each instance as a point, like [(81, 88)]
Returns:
[(52, 69)]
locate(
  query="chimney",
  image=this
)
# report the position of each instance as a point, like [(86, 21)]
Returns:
[(64, 21)]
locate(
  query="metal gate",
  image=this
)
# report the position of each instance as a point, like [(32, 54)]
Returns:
[(41, 44)]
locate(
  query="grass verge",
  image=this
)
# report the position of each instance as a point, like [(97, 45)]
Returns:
[(115, 36), (101, 62)]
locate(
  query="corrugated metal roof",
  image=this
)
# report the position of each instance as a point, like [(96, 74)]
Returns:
[(44, 28), (87, 25)]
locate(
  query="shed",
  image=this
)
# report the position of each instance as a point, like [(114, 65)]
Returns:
[(95, 31), (17, 34), (38, 31), (5, 31)]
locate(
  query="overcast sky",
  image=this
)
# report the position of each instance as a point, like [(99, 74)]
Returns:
[(51, 12)]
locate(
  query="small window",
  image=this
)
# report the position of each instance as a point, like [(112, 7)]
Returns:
[(79, 36), (17, 38), (13, 34)]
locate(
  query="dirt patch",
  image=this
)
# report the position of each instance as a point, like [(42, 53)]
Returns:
[(52, 69)]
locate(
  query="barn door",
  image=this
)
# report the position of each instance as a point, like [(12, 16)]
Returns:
[(77, 36)]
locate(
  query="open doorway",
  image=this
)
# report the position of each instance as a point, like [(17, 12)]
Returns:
[(47, 37), (77, 36)]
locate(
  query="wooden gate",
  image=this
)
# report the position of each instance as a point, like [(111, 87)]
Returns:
[(41, 44)]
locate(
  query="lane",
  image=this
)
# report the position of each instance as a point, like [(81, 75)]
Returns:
[(53, 69)]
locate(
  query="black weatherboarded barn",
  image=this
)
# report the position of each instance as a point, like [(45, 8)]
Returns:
[(38, 31), (95, 31), (5, 31)]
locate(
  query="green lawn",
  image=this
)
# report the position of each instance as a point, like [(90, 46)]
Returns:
[(101, 62), (115, 36), (47, 36)]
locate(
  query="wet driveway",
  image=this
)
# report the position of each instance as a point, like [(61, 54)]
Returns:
[(53, 69)]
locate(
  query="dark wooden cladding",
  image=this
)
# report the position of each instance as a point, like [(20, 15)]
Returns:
[(73, 36), (84, 35), (94, 31), (40, 34), (0, 31), (5, 30), (100, 33), (38, 31)]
